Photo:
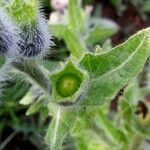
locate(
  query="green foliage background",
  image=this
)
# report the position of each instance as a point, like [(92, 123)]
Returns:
[(83, 120)]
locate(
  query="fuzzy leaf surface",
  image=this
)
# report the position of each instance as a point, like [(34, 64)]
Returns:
[(59, 127), (76, 16), (115, 133), (73, 42), (111, 71), (58, 30)]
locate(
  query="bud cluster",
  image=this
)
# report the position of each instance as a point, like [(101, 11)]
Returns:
[(23, 29), (8, 35)]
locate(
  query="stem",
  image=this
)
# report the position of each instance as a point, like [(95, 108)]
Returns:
[(56, 128), (31, 69), (7, 140)]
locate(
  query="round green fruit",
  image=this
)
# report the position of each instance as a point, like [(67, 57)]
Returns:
[(68, 84)]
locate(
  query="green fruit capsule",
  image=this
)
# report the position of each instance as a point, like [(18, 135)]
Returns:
[(68, 84)]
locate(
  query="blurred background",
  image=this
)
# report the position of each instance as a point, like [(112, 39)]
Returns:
[(108, 23)]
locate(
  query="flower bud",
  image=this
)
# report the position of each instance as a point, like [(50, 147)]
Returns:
[(8, 35), (23, 12), (35, 36), (36, 40)]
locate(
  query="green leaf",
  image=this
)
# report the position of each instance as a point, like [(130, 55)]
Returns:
[(101, 30), (132, 92), (36, 106), (12, 86), (59, 127), (88, 140), (58, 30), (86, 119), (28, 98), (125, 110), (76, 16), (111, 71), (99, 35), (115, 133), (73, 42), (23, 12), (33, 94)]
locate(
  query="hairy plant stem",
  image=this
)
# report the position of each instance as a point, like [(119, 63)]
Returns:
[(7, 140), (31, 69), (54, 142)]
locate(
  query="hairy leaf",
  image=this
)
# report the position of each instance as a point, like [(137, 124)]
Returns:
[(58, 30), (110, 71), (76, 16), (36, 106), (74, 45), (59, 128), (115, 133), (100, 30)]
